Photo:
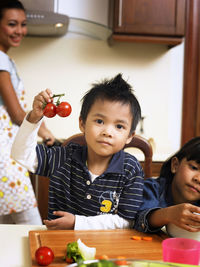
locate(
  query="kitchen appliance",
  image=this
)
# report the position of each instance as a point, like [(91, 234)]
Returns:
[(42, 20)]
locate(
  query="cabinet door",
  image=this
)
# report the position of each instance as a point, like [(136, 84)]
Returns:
[(150, 17)]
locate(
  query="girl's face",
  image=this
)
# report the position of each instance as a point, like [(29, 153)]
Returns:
[(107, 128), (186, 181), (12, 28)]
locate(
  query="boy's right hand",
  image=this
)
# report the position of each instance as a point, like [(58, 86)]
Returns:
[(38, 105)]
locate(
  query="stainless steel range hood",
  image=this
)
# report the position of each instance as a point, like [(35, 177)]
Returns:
[(46, 23), (43, 21)]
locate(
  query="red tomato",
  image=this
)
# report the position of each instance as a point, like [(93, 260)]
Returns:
[(44, 256), (63, 109), (49, 110)]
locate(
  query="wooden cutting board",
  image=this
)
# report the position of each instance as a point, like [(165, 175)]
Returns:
[(112, 243)]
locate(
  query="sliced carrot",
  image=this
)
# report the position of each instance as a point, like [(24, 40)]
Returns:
[(121, 261), (147, 238), (136, 237), (103, 257)]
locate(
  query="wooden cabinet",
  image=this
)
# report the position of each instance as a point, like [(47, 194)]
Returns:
[(161, 21), (191, 81)]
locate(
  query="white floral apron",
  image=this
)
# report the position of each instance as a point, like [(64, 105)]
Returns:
[(16, 192)]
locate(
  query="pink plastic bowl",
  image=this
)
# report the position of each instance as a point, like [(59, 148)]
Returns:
[(181, 250)]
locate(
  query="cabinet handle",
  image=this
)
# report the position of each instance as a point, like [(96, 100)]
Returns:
[(120, 13)]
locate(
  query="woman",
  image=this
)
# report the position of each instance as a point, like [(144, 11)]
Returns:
[(17, 200)]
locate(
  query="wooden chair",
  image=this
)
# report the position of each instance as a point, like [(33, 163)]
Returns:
[(138, 142)]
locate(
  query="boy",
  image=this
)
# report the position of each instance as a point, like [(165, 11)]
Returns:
[(97, 186)]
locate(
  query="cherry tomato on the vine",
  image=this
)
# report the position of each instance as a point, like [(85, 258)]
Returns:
[(44, 256), (50, 110), (63, 109)]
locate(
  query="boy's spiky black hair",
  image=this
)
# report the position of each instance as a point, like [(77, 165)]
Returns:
[(115, 89)]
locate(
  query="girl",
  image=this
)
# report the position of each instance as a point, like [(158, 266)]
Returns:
[(17, 201), (174, 197)]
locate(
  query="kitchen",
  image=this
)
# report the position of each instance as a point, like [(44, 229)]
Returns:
[(50, 62), (71, 63)]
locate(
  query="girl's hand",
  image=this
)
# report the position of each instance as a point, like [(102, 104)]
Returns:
[(65, 222), (38, 105), (183, 215)]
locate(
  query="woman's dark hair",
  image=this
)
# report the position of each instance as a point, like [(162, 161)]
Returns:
[(115, 90), (10, 4), (189, 151)]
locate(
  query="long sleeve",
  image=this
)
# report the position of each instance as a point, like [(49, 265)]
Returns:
[(154, 197), (101, 222), (24, 146)]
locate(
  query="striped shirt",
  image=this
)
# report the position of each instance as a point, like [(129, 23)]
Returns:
[(119, 190)]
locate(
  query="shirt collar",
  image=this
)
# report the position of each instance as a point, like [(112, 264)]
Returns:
[(116, 164)]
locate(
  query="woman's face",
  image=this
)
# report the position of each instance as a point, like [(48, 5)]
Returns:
[(12, 28)]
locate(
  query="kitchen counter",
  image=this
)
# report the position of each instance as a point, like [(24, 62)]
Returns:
[(14, 246)]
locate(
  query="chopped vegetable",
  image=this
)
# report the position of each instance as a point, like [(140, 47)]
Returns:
[(147, 238), (77, 252), (87, 253), (101, 263), (121, 261), (103, 257), (136, 237)]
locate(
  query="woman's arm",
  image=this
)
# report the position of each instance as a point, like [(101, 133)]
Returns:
[(10, 100), (24, 146), (14, 108)]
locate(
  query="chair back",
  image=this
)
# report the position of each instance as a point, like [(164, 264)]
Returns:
[(138, 142)]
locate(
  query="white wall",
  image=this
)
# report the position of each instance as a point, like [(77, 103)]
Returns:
[(71, 65)]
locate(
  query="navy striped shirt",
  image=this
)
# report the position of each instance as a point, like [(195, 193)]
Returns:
[(119, 190)]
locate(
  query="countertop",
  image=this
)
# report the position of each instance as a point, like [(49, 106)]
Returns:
[(14, 245)]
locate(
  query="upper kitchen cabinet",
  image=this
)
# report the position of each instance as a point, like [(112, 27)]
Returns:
[(155, 21)]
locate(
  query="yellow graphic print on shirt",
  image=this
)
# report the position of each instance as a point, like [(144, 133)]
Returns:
[(109, 202), (107, 206)]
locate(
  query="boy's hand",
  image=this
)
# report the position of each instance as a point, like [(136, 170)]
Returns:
[(183, 215), (38, 105), (65, 222)]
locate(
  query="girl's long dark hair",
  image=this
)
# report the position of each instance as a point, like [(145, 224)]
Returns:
[(190, 151)]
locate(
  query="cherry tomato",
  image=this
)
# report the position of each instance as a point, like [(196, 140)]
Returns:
[(63, 109), (44, 256), (49, 110)]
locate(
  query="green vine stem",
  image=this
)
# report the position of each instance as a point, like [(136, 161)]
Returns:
[(58, 95), (58, 100)]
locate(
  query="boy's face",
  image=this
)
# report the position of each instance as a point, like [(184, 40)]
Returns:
[(107, 127), (186, 181)]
